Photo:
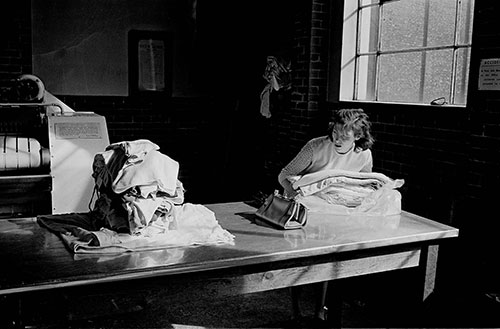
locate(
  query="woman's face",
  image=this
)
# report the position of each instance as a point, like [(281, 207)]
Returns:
[(343, 139)]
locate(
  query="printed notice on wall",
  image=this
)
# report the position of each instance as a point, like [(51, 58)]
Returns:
[(489, 74), (84, 130)]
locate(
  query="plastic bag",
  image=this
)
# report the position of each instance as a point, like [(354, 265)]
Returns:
[(383, 202)]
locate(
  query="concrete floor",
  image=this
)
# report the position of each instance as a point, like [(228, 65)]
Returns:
[(369, 302)]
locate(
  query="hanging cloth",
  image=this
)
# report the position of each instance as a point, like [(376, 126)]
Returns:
[(278, 76)]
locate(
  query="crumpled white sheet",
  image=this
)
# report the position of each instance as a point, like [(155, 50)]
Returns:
[(154, 169), (196, 225)]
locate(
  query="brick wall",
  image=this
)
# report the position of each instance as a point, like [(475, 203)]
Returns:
[(303, 114), (428, 148), (15, 40)]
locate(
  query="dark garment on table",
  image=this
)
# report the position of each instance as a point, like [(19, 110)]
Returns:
[(77, 224)]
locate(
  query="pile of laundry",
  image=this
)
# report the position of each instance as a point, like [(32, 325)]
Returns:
[(139, 206), (348, 192)]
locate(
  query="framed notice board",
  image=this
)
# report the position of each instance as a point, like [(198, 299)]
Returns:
[(150, 63)]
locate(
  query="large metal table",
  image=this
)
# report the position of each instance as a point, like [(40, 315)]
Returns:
[(262, 258)]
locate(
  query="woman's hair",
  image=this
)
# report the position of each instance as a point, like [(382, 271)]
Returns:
[(355, 120)]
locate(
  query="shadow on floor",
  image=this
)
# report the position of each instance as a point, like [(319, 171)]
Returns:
[(367, 303)]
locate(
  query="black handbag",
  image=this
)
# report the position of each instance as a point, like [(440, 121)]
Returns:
[(283, 212)]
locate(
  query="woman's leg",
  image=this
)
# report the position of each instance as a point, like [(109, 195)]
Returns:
[(321, 308)]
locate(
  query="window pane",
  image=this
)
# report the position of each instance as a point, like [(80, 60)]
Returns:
[(368, 2), (466, 15), (349, 37), (368, 27), (441, 28), (438, 67), (366, 78), (402, 24), (462, 76), (399, 78)]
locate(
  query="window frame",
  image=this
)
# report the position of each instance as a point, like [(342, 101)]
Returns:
[(345, 75)]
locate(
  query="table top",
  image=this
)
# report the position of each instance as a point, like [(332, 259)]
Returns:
[(35, 259)]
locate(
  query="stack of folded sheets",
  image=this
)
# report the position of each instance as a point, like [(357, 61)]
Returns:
[(342, 191)]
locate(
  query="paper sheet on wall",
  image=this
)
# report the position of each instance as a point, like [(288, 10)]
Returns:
[(151, 65), (489, 74)]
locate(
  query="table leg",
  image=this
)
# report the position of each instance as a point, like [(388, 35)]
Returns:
[(415, 312), (428, 267)]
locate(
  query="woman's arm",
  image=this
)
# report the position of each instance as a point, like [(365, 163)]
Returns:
[(295, 167)]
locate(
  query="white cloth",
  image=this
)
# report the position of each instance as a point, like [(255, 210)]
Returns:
[(316, 181), (134, 150), (197, 225), (155, 169), (346, 192)]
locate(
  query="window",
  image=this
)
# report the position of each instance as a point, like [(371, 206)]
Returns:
[(406, 51)]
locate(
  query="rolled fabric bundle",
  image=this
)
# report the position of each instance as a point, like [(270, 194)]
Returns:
[(21, 153)]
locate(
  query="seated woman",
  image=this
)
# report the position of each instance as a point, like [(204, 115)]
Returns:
[(347, 147)]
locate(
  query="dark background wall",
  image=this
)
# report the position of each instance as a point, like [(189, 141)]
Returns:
[(227, 151)]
